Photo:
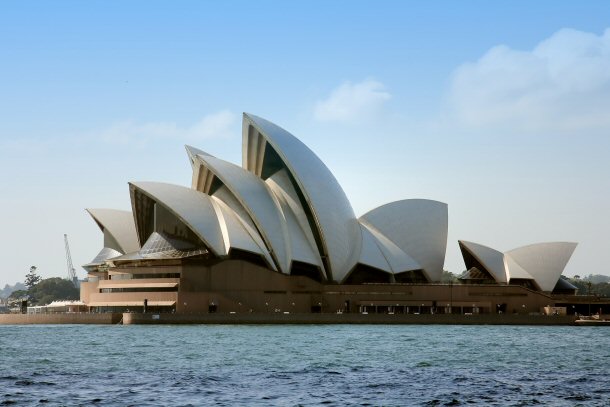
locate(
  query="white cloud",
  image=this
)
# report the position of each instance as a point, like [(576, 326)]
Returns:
[(352, 101), (562, 85), (216, 125)]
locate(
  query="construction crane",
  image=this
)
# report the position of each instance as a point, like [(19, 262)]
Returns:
[(71, 271)]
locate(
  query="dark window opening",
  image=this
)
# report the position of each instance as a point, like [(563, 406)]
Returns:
[(524, 283), (139, 290), (216, 183), (160, 275), (475, 272), (143, 276), (254, 258), (476, 276), (366, 274), (316, 309), (306, 270), (412, 276), (564, 287), (272, 162), (144, 208), (154, 309)]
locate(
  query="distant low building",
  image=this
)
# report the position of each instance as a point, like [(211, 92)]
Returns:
[(59, 307)]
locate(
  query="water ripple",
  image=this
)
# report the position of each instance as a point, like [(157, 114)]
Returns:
[(303, 366)]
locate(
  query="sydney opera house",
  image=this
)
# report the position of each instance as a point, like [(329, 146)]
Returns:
[(278, 234)]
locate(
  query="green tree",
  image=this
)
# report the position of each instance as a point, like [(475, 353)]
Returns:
[(53, 289), (586, 286), (449, 277), (31, 279)]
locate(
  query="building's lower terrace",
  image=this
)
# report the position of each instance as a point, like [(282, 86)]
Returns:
[(238, 286)]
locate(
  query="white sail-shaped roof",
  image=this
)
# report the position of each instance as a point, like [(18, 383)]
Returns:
[(258, 201), (120, 226), (192, 152), (284, 205), (192, 207), (238, 234), (371, 254), (106, 253), (418, 227), (301, 248), (515, 271), (398, 260), (302, 241), (326, 205), (544, 261), (491, 259)]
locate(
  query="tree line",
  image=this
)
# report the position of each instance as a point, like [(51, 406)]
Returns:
[(39, 291), (598, 285)]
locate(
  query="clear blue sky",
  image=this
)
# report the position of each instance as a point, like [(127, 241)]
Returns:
[(500, 109)]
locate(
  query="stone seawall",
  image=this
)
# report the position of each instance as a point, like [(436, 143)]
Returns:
[(67, 318), (139, 319), (487, 319)]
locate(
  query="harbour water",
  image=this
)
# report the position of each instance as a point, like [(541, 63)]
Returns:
[(289, 365)]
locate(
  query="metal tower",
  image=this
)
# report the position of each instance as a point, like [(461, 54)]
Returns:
[(71, 272)]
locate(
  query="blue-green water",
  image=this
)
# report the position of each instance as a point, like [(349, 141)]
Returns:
[(304, 365)]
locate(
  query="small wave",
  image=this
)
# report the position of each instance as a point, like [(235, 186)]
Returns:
[(578, 397), (24, 382)]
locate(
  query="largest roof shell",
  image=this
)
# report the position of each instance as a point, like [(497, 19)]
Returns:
[(258, 201), (331, 216)]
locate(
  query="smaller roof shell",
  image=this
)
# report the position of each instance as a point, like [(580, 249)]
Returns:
[(544, 261), (541, 262), (491, 259), (239, 234), (192, 207), (120, 225), (418, 227), (397, 260)]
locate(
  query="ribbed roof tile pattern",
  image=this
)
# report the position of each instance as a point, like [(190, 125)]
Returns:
[(286, 206), (118, 224), (333, 216), (418, 227)]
